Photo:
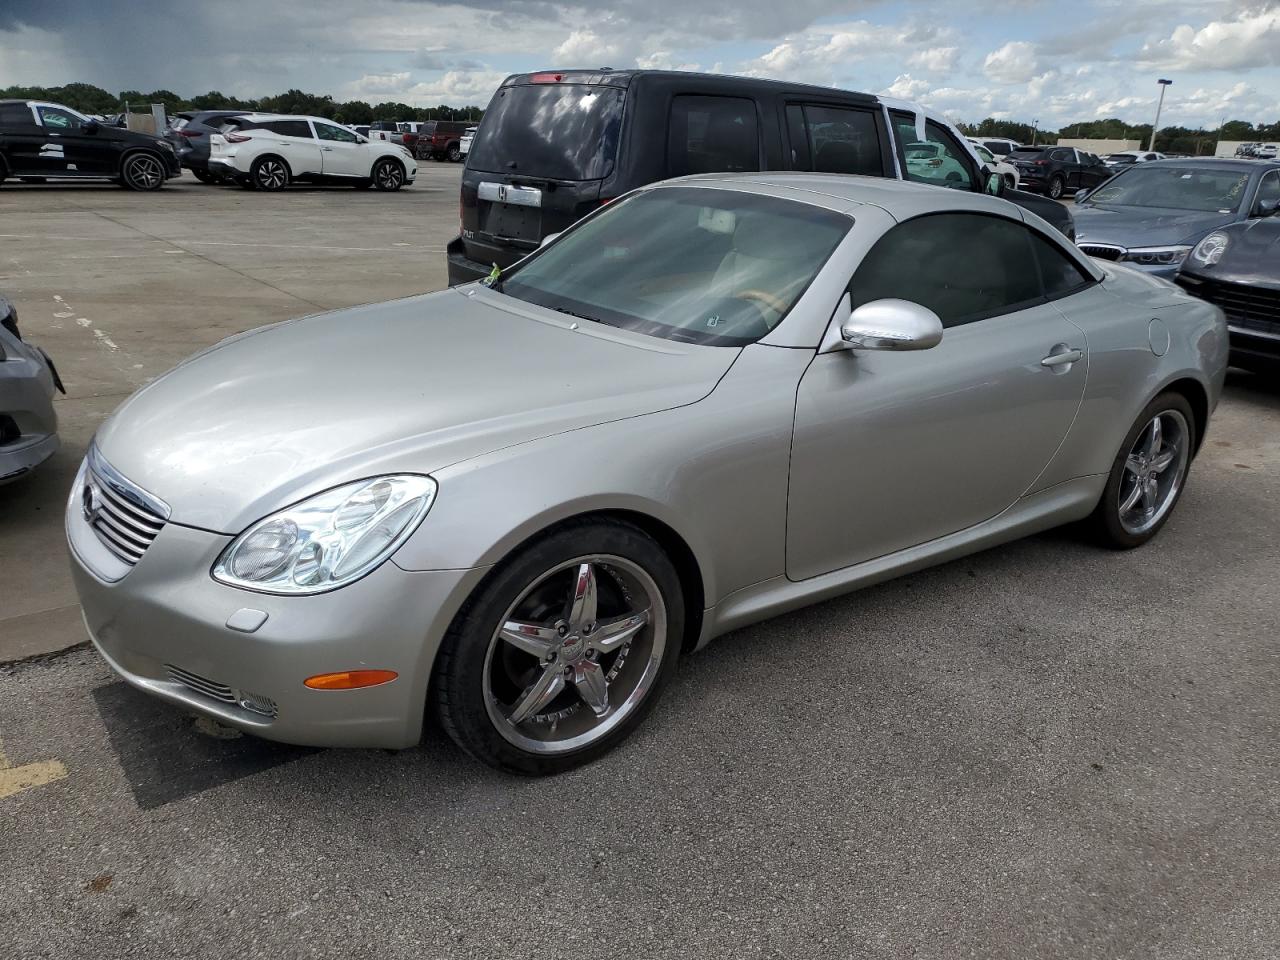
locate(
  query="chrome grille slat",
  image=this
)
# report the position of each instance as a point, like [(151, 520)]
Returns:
[(123, 516), (210, 688), (1102, 251)]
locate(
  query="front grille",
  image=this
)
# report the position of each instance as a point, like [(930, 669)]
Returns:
[(125, 518), (253, 702), (1250, 308), (1103, 251)]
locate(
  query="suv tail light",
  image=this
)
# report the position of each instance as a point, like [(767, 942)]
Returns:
[(546, 78), (1042, 163), (233, 137), (189, 133)]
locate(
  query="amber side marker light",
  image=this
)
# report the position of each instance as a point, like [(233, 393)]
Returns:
[(349, 679)]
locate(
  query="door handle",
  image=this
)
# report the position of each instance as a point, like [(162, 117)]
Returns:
[(327, 149), (1058, 359)]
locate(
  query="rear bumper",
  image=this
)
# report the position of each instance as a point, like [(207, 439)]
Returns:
[(462, 269), (26, 396)]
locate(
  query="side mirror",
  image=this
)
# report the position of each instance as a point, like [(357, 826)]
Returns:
[(547, 239), (1268, 208), (1080, 195), (889, 325), (995, 184), (91, 126)]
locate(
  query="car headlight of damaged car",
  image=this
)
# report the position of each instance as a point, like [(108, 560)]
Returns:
[(1210, 250), (1157, 256), (328, 540)]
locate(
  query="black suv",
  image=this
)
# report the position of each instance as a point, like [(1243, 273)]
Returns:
[(1054, 171), (441, 140), (41, 141), (189, 133), (555, 145)]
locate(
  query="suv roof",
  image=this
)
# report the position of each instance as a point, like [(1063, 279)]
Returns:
[(607, 76)]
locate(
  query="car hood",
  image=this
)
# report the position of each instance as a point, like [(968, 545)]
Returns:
[(1144, 226), (269, 417)]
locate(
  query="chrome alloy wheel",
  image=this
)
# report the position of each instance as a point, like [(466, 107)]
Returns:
[(143, 172), (575, 654), (1154, 471), (389, 175), (271, 175)]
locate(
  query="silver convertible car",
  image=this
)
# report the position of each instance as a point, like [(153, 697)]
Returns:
[(518, 503)]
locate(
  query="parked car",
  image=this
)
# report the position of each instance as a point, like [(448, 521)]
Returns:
[(464, 145), (441, 140), (554, 145), (28, 423), (1007, 171), (720, 362), (270, 151), (1266, 152), (932, 161), (48, 141), (386, 130), (189, 132), (1054, 171), (362, 129), (1237, 268), (1126, 158), (1000, 146), (1153, 214)]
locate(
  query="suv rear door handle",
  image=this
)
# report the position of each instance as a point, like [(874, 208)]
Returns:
[(1058, 359)]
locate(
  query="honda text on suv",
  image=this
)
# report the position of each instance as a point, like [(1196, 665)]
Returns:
[(555, 145), (1054, 171), (47, 141)]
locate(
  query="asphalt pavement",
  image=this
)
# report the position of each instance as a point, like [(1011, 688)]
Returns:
[(1044, 750)]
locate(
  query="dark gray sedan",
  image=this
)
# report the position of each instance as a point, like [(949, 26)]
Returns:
[(1152, 215)]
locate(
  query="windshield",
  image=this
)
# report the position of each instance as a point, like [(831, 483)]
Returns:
[(1026, 153), (1122, 158), (1175, 188), (561, 131), (700, 265)]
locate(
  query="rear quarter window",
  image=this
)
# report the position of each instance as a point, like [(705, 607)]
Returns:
[(712, 135)]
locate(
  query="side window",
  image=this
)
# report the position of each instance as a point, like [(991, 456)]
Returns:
[(1059, 274), (843, 141), (1060, 155), (327, 131), (289, 128), (979, 266), (937, 159), (57, 119), (712, 135), (16, 115), (1269, 188)]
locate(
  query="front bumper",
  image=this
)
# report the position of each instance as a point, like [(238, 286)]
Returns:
[(27, 383), (162, 627)]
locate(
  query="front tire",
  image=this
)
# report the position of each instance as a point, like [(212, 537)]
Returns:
[(1010, 182), (142, 171), (454, 154), (1148, 474), (1056, 187), (270, 174), (563, 650), (388, 174)]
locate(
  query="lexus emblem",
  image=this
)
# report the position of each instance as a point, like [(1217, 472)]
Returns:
[(90, 503)]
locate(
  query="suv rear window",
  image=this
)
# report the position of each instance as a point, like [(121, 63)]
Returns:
[(561, 131)]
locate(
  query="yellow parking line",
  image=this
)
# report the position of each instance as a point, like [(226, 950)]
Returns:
[(16, 779)]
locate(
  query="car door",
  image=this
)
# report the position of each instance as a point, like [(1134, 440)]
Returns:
[(892, 450), (294, 141), (69, 147), (21, 139), (836, 139), (341, 152)]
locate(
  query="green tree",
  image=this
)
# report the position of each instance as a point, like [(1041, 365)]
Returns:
[(353, 112)]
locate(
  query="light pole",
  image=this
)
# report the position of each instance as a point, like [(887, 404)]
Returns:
[(1159, 106), (1033, 131)]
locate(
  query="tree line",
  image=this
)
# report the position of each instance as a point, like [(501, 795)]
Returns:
[(90, 99), (1170, 139)]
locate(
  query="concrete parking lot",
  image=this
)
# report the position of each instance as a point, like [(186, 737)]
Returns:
[(1045, 750)]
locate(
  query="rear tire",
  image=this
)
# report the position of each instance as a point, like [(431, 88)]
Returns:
[(1147, 476), (204, 176), (454, 153), (270, 174), (1056, 187), (619, 661), (1010, 182)]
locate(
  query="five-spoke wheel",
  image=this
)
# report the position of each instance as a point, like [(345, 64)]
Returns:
[(563, 650), (142, 171)]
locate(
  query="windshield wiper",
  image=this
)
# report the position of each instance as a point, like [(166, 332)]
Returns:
[(580, 316)]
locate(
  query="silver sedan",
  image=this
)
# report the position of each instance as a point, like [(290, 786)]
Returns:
[(517, 504)]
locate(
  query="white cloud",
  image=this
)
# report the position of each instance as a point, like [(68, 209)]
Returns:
[(1249, 41), (1015, 62), (936, 59), (586, 48), (906, 88)]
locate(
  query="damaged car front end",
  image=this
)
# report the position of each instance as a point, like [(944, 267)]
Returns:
[(28, 379)]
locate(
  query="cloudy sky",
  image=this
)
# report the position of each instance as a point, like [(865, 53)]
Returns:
[(1020, 59)]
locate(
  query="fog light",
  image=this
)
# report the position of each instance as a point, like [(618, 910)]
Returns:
[(256, 703), (349, 679)]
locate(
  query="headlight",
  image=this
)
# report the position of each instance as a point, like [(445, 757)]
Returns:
[(1157, 256), (328, 540), (1210, 250)]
